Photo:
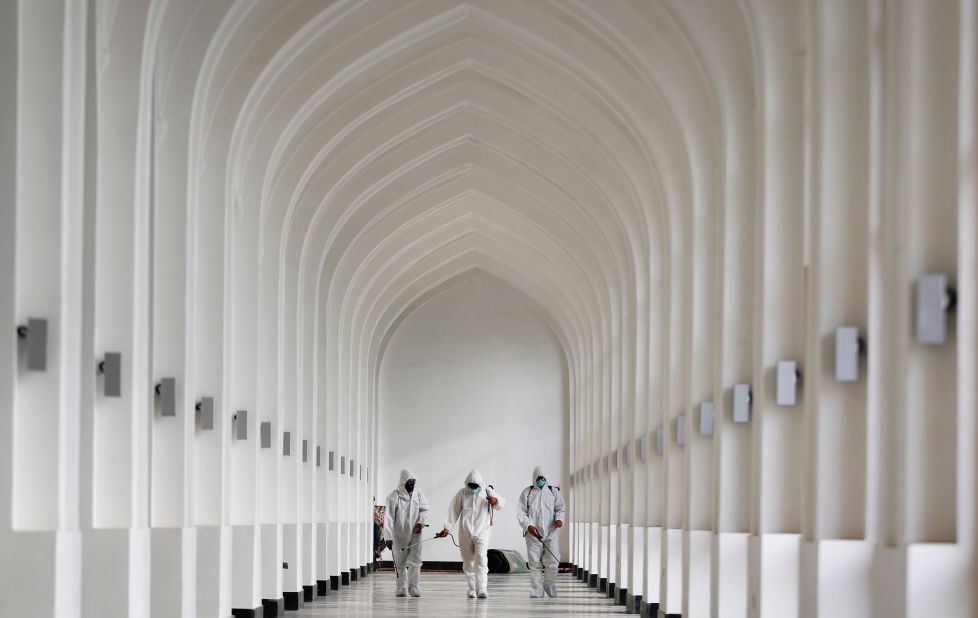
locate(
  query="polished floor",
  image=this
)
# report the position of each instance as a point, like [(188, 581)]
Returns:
[(443, 595)]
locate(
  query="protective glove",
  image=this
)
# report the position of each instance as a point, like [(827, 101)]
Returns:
[(533, 530), (418, 528), (492, 500), (443, 533), (558, 523)]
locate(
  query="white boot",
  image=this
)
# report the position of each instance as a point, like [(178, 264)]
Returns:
[(536, 593), (551, 589)]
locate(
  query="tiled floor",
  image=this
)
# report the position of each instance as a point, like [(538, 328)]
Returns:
[(443, 596)]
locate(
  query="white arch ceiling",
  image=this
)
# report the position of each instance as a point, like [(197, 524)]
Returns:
[(328, 102), (366, 153)]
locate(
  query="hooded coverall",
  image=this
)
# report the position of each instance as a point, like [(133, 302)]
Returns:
[(473, 513), (404, 510), (541, 507)]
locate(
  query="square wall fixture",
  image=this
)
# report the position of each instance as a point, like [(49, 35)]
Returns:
[(847, 349), (786, 383), (741, 403)]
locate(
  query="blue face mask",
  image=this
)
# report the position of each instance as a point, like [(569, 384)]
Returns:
[(541, 483), (474, 490)]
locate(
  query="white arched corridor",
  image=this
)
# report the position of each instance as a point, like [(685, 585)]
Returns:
[(721, 255)]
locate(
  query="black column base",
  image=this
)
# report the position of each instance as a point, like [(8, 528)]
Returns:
[(322, 587), (592, 580), (345, 578), (611, 590), (354, 575), (258, 612), (273, 607), (334, 582), (363, 571), (633, 604), (603, 584), (293, 601), (622, 596), (307, 594), (582, 575), (649, 610)]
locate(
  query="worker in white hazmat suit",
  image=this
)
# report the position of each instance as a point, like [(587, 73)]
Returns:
[(473, 508), (404, 519), (541, 515)]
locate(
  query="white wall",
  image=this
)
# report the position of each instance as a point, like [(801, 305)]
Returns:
[(464, 378)]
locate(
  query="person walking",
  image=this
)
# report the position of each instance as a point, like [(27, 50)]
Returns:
[(472, 508)]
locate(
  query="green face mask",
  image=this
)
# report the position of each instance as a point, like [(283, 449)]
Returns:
[(541, 483), (474, 490)]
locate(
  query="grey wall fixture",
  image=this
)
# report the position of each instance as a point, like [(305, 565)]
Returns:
[(305, 451), (343, 464), (934, 300), (111, 369), (626, 455), (681, 430), (166, 392), (332, 460), (240, 424), (286, 443), (786, 383), (707, 418), (352, 466), (205, 409), (319, 459), (660, 441), (741, 403), (35, 336), (265, 434), (642, 448), (848, 347)]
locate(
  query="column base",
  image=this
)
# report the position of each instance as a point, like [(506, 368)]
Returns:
[(603, 584), (633, 604), (623, 596), (345, 578), (258, 612), (294, 601), (649, 610), (592, 580), (334, 582), (307, 594), (322, 587), (611, 590), (354, 575), (273, 607)]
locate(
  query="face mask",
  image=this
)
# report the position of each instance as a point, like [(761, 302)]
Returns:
[(473, 488), (541, 483), (409, 486)]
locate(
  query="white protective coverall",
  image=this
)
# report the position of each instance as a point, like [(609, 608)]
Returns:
[(473, 515), (541, 508), (404, 510)]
